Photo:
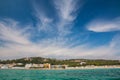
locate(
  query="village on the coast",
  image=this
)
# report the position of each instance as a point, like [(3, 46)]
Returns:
[(49, 66)]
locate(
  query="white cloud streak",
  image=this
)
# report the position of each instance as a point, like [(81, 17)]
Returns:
[(66, 10), (10, 32), (44, 23), (104, 26), (115, 42)]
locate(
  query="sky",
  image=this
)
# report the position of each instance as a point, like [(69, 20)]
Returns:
[(61, 29)]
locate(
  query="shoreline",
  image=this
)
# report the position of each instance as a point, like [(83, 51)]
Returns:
[(70, 68)]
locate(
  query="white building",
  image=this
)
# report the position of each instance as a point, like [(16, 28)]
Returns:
[(19, 63), (41, 65), (82, 63), (27, 66), (4, 67)]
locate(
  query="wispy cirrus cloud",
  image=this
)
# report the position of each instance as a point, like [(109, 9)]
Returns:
[(10, 31), (67, 12), (115, 42), (104, 25), (44, 23), (66, 9)]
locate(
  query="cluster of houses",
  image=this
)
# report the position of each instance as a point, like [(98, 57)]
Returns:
[(49, 66), (32, 66)]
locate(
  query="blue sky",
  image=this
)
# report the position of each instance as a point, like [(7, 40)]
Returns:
[(62, 29)]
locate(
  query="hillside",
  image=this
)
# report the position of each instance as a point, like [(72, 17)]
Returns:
[(70, 62)]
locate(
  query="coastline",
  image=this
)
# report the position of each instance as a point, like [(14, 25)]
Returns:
[(95, 67), (70, 68)]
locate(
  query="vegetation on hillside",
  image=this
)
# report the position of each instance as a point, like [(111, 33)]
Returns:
[(70, 62)]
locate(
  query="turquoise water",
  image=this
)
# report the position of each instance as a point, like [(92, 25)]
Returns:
[(94, 74)]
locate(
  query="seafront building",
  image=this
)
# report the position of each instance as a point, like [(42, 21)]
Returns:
[(38, 66), (59, 66), (4, 67), (32, 66), (49, 66)]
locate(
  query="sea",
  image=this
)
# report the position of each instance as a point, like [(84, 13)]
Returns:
[(87, 74)]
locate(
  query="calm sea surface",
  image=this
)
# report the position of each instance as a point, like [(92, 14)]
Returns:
[(93, 74)]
